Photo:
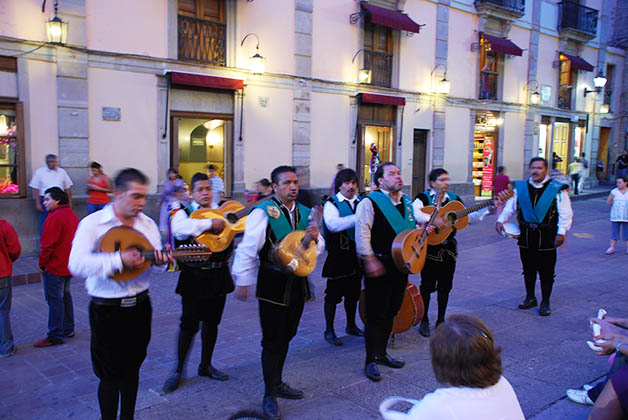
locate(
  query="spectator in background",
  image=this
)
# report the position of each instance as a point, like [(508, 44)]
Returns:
[(56, 243), (575, 169), (218, 185), (173, 184), (622, 163), (555, 160), (46, 177), (500, 184), (9, 252), (99, 186), (264, 188), (464, 356), (585, 170), (618, 200)]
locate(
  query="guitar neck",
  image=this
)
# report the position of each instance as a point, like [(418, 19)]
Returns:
[(476, 207), (150, 255)]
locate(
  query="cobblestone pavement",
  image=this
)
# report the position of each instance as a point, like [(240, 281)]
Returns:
[(541, 356)]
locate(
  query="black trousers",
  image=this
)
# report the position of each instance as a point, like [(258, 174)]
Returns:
[(384, 296), (541, 262), (437, 276), (576, 180), (349, 288), (279, 325), (194, 311), (119, 340)]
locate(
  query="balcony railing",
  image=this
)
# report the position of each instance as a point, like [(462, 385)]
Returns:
[(202, 41), (517, 6), (381, 67), (573, 16)]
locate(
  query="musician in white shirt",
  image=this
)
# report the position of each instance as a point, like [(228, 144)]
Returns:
[(46, 177), (119, 312)]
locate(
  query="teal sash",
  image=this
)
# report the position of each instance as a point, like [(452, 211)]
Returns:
[(398, 223), (430, 200), (536, 214), (345, 210), (281, 225)]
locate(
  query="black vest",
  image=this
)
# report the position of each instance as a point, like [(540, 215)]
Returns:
[(541, 236), (204, 280), (342, 258), (274, 284), (450, 244), (382, 237)]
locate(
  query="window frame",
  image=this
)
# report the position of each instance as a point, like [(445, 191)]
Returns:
[(20, 160), (197, 20), (371, 30), (565, 87), (496, 71)]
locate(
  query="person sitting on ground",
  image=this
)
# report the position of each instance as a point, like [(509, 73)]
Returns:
[(464, 356)]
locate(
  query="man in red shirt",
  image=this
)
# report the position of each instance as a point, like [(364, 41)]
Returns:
[(56, 243), (500, 184), (9, 252)]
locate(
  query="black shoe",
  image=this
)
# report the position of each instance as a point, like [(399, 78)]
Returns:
[(354, 330), (438, 322), (172, 382), (372, 372), (283, 390), (70, 334), (528, 303), (212, 372), (544, 309), (386, 360), (424, 328), (271, 409), (332, 339)]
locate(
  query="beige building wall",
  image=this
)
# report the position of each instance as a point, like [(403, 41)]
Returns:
[(516, 68), (512, 144), (417, 51), (462, 68), (458, 143)]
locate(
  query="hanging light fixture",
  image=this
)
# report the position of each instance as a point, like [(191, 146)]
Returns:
[(365, 73), (605, 108), (535, 98), (444, 85), (599, 81), (256, 62), (56, 29)]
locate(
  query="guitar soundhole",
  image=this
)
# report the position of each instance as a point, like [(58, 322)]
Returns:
[(231, 218), (451, 217)]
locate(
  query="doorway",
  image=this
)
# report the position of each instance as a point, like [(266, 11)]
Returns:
[(376, 148), (418, 161), (560, 146), (601, 166)]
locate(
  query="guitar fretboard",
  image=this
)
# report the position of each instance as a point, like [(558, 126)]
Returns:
[(479, 206)]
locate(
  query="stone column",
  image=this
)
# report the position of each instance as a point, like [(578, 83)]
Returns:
[(438, 118), (302, 90)]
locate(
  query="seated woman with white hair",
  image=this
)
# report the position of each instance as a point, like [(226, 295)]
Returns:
[(465, 357)]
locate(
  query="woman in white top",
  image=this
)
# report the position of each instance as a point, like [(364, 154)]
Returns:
[(464, 356), (618, 199)]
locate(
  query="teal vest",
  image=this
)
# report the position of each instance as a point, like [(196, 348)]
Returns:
[(392, 215), (279, 223), (344, 209)]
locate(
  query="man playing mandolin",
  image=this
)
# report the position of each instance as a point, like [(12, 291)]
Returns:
[(119, 312), (281, 294), (203, 286)]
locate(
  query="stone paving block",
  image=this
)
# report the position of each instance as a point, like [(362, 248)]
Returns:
[(564, 410)]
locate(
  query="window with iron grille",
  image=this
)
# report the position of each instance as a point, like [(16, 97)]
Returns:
[(378, 53), (202, 31), (565, 83), (489, 70), (608, 87)]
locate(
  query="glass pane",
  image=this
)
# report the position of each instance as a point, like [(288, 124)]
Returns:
[(8, 152), (201, 143), (377, 149)]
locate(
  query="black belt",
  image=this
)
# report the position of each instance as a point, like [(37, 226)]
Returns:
[(213, 265), (534, 226), (127, 302)]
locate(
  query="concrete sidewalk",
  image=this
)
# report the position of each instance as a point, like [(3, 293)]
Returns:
[(541, 356)]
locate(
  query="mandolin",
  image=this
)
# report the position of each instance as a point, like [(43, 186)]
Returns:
[(121, 238), (456, 215), (296, 252), (409, 248), (233, 213)]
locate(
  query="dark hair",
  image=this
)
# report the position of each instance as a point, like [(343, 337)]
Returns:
[(274, 175), (264, 182), (51, 156), (344, 175), (128, 175), (211, 167), (199, 176), (379, 173), (624, 177), (95, 165), (538, 159), (500, 169), (464, 354), (173, 170), (57, 194), (435, 173)]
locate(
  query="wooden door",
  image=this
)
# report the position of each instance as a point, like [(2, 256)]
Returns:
[(602, 154)]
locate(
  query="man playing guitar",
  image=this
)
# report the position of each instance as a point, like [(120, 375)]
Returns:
[(203, 286), (281, 295)]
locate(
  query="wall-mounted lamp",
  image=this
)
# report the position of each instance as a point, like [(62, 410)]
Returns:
[(365, 74), (535, 96), (605, 108), (598, 81), (256, 62), (56, 29), (443, 86)]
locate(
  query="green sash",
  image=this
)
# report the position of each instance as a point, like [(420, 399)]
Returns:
[(345, 210), (398, 223), (536, 214), (279, 223)]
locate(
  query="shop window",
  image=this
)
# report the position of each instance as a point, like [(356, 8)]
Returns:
[(484, 149), (378, 53), (565, 83), (489, 70), (202, 31), (12, 174)]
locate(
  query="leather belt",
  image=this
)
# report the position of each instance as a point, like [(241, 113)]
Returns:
[(534, 226), (213, 265), (127, 302)]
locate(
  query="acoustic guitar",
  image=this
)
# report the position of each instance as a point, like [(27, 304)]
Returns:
[(296, 252), (121, 238), (456, 215), (409, 248), (233, 213)]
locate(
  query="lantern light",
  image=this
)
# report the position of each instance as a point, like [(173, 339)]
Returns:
[(256, 62)]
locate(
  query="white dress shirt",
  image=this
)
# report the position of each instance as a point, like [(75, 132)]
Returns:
[(333, 221), (44, 178), (563, 203), (364, 222), (183, 226), (476, 216), (86, 261), (246, 261)]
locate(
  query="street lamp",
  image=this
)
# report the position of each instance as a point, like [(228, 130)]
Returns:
[(605, 108), (598, 81), (365, 74), (444, 85), (256, 62), (56, 29), (535, 97)]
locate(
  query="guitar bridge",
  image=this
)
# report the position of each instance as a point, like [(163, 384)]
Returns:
[(293, 265)]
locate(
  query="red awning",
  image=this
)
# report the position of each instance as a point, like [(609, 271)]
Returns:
[(391, 18), (578, 63), (201, 80), (373, 98), (502, 45)]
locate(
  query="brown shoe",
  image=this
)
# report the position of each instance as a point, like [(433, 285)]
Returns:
[(47, 342)]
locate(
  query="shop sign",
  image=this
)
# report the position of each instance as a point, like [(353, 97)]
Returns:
[(487, 171)]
